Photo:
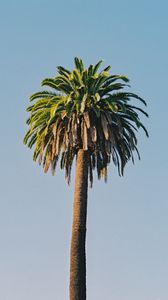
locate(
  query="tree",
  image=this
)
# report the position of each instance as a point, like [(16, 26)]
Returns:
[(85, 115)]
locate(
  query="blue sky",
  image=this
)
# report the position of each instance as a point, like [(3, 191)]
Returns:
[(127, 217)]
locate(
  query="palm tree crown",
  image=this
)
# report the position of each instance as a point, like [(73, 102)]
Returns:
[(84, 110)]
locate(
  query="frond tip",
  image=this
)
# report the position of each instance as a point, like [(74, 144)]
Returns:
[(84, 109)]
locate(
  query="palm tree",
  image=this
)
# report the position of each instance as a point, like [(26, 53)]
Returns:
[(86, 116)]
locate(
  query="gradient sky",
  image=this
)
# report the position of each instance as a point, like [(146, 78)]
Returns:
[(127, 235)]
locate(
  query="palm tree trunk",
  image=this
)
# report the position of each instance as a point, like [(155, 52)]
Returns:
[(78, 255)]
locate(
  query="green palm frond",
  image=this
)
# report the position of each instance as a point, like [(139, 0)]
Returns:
[(63, 71), (84, 109), (97, 66), (43, 94), (79, 64)]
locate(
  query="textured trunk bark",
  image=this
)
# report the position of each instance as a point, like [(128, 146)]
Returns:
[(78, 255)]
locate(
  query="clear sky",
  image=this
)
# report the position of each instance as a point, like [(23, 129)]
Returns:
[(127, 235)]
